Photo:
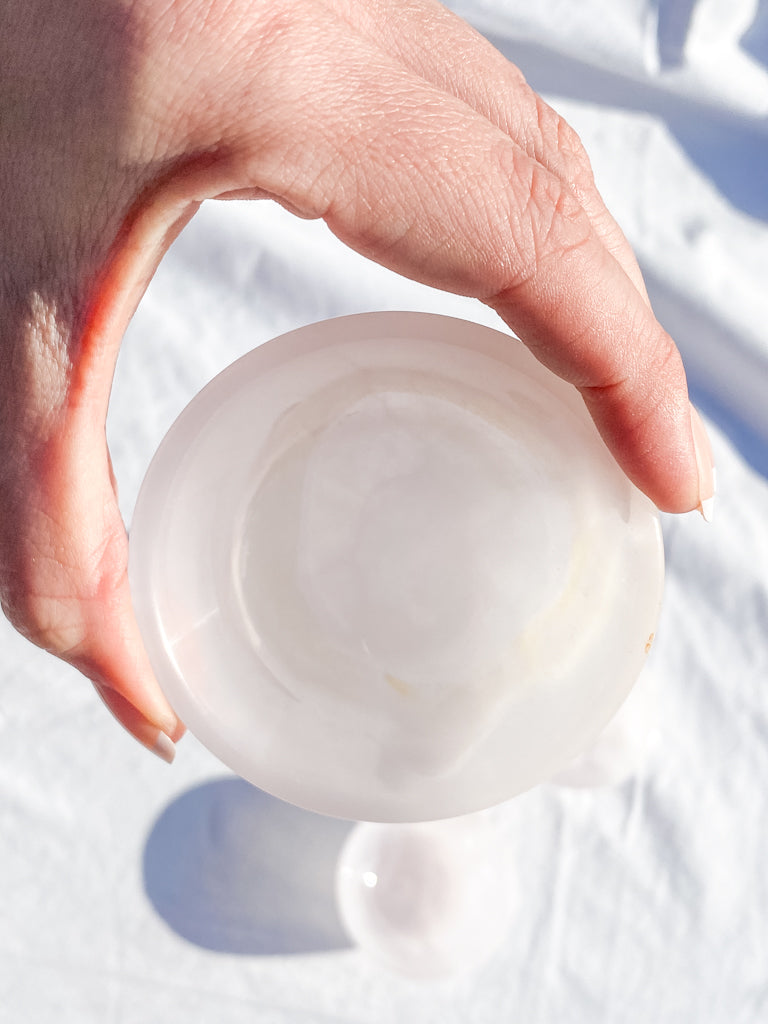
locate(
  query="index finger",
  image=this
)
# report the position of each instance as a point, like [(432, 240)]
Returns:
[(427, 186)]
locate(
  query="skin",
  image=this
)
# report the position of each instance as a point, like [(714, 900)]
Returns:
[(418, 144)]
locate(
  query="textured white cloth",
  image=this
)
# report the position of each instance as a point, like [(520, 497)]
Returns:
[(132, 892)]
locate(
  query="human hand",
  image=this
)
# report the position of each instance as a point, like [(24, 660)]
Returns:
[(418, 144)]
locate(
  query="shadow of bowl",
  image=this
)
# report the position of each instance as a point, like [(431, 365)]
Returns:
[(234, 870)]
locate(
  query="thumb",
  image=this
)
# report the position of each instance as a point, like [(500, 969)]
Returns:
[(63, 562), (63, 545)]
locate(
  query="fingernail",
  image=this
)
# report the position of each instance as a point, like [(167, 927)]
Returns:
[(705, 465), (159, 712), (164, 747), (148, 734)]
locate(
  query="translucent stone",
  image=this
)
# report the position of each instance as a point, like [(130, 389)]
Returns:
[(428, 899), (386, 569), (621, 750)]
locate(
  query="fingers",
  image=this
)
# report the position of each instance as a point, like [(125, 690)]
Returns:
[(435, 191), (63, 547), (422, 149), (447, 52), (64, 586), (63, 579)]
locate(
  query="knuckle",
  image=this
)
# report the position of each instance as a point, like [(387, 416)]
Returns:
[(556, 220), (38, 607), (55, 582), (562, 149), (544, 225), (530, 224), (645, 382)]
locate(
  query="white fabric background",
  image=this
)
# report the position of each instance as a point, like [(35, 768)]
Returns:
[(133, 892)]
